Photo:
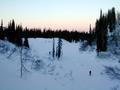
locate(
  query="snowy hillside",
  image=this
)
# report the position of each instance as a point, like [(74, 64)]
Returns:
[(71, 72)]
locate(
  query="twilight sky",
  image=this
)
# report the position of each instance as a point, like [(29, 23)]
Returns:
[(64, 14)]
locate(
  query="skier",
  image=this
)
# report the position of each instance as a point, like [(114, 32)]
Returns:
[(90, 72)]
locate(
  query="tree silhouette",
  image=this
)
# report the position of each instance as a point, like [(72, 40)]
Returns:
[(1, 31), (105, 23), (53, 52), (11, 31), (26, 44), (59, 48), (101, 33), (111, 19), (18, 37), (90, 36)]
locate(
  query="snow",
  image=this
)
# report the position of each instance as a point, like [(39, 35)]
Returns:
[(70, 72)]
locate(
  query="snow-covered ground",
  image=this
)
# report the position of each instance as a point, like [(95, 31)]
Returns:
[(71, 72)]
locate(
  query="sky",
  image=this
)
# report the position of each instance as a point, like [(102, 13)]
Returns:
[(55, 14)]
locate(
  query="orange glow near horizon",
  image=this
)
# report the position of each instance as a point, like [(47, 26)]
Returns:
[(55, 26), (79, 25)]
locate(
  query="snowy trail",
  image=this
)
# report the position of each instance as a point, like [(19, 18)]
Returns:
[(70, 72)]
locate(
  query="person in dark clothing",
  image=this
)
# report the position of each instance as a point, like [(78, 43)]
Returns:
[(90, 72)]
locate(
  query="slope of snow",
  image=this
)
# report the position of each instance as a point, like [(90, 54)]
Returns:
[(42, 72)]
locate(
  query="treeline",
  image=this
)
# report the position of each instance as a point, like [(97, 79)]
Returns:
[(19, 35), (49, 33), (13, 33), (104, 25)]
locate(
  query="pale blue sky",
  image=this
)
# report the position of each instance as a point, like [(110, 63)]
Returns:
[(69, 14)]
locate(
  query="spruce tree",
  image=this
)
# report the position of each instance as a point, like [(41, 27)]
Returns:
[(53, 52), (90, 36), (1, 31), (59, 48), (101, 33), (26, 44)]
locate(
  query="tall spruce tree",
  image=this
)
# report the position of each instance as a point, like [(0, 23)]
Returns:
[(101, 33), (1, 31), (18, 36), (59, 48), (90, 36), (111, 19)]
